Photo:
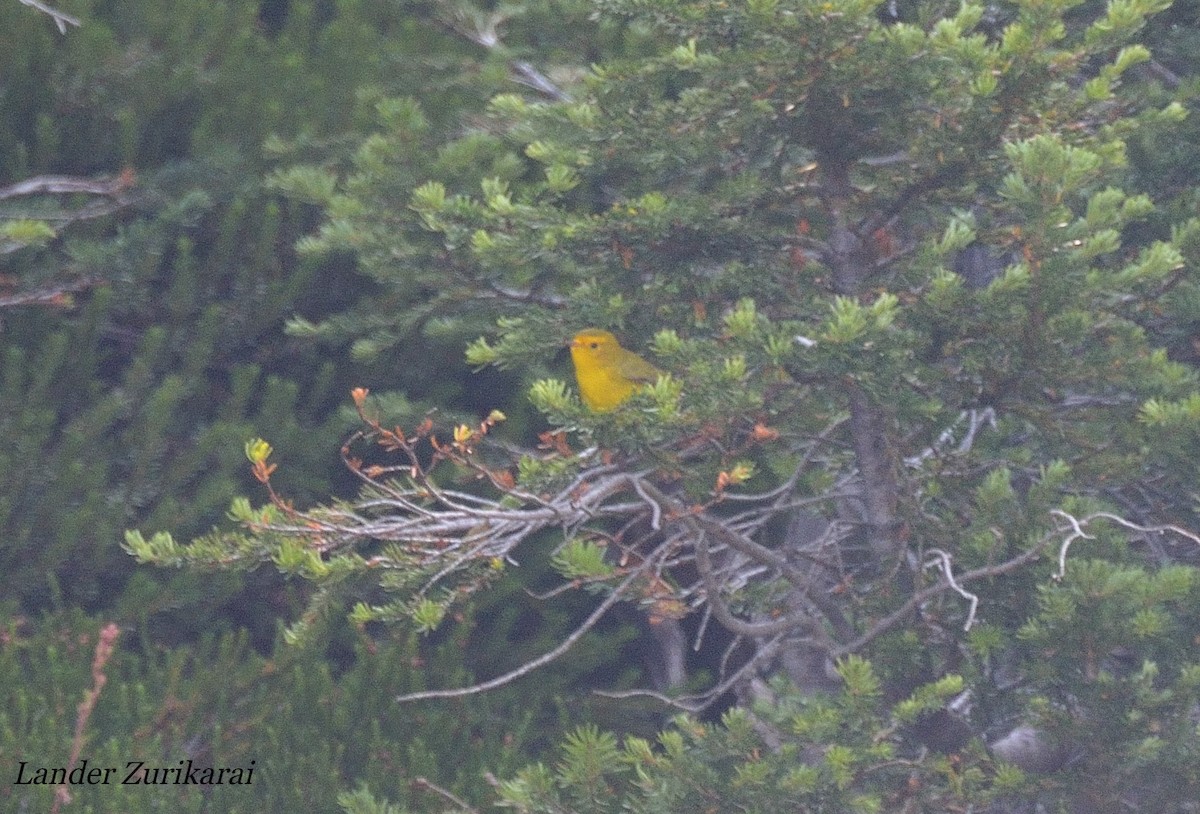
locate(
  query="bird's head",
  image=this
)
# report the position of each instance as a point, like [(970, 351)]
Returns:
[(593, 343)]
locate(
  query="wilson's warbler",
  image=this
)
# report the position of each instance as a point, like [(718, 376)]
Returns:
[(607, 373)]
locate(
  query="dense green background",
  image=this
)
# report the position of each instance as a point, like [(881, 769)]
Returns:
[(268, 257)]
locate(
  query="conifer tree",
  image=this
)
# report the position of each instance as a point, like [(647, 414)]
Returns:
[(148, 272), (916, 453), (313, 730)]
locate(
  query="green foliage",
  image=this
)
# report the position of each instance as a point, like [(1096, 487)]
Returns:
[(581, 559), (123, 401), (1115, 637), (99, 97), (117, 427), (779, 193), (838, 754), (27, 232), (846, 752), (311, 733)]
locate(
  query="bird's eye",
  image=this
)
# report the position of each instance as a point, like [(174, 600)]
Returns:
[(594, 345)]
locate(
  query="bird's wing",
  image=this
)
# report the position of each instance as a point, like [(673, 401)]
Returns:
[(637, 369)]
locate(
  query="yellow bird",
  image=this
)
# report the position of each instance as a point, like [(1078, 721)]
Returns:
[(607, 373)]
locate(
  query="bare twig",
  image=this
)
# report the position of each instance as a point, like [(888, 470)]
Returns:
[(707, 698), (929, 182), (920, 597), (105, 645), (425, 783), (1076, 533), (110, 192), (61, 19), (1076, 527), (721, 610), (484, 32), (1168, 77), (533, 78), (566, 644), (49, 295), (942, 561), (64, 184), (443, 535), (976, 420), (701, 523), (655, 506)]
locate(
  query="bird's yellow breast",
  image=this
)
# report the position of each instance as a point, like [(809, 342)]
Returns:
[(607, 373)]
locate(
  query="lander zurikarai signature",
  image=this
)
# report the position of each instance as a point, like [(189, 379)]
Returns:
[(135, 773)]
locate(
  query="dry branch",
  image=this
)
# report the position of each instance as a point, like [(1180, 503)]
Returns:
[(61, 19)]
